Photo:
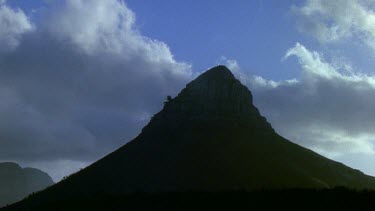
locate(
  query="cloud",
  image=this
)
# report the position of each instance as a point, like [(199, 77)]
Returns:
[(81, 83), (312, 62), (254, 81), (326, 109), (81, 80), (13, 24), (314, 65), (332, 21)]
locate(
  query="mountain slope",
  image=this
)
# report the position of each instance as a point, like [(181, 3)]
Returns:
[(16, 182), (208, 138)]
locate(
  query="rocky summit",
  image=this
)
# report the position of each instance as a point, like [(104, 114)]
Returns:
[(216, 94), (208, 138), (217, 99)]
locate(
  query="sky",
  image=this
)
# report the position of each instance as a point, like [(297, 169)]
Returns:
[(80, 78)]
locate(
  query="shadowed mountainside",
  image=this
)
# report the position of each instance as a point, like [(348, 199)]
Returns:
[(16, 182), (209, 138)]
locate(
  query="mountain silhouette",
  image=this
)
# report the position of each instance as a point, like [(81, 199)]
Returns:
[(208, 138), (16, 182)]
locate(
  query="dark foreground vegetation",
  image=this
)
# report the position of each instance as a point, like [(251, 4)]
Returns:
[(303, 199)]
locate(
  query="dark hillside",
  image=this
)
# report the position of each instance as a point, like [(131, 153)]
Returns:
[(210, 138)]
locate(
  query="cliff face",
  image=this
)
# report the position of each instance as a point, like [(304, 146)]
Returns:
[(216, 98), (215, 93), (16, 182)]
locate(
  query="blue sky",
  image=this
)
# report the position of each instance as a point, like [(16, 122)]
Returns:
[(254, 33), (69, 68), (202, 32)]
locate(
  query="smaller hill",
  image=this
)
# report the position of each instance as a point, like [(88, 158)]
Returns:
[(16, 182)]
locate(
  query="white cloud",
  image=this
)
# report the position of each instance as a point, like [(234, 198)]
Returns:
[(330, 21), (95, 25), (13, 24), (313, 64), (333, 142), (253, 81), (81, 84), (326, 109)]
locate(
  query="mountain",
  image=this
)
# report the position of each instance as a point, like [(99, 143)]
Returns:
[(16, 182), (208, 138)]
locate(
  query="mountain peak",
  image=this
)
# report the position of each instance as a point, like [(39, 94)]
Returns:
[(209, 138), (218, 72), (215, 97), (218, 92)]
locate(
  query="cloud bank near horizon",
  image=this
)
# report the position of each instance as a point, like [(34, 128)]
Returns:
[(78, 83), (327, 109)]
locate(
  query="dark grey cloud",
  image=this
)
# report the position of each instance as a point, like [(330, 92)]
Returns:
[(80, 84)]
